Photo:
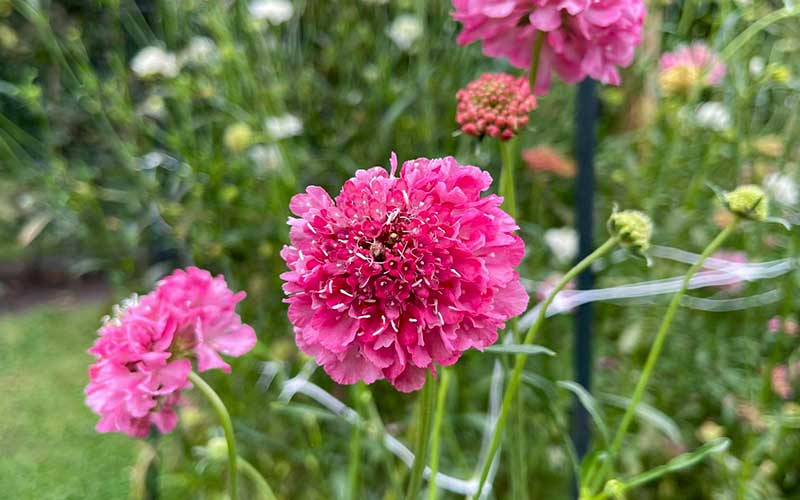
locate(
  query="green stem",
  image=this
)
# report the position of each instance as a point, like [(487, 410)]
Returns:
[(507, 177), (355, 445), (227, 427), (441, 400), (426, 399), (516, 375), (261, 484), (655, 350), (536, 56), (755, 28)]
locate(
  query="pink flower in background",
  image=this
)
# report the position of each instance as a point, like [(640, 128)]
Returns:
[(782, 378), (734, 257), (547, 159), (496, 104), (583, 37), (778, 324), (695, 60), (397, 274), (144, 353)]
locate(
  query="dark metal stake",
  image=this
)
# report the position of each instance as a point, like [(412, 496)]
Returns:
[(585, 120)]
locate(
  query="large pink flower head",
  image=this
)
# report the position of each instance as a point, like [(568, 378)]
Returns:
[(582, 37), (690, 65), (143, 355), (399, 273), (496, 104)]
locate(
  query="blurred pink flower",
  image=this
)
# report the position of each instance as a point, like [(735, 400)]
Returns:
[(583, 37), (548, 284), (734, 257), (547, 159), (778, 324), (144, 353), (696, 62), (496, 104), (400, 273), (781, 384)]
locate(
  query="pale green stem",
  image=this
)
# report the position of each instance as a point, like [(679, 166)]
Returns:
[(507, 177), (261, 484), (655, 350), (356, 439), (755, 28), (227, 427), (536, 56), (441, 400), (516, 375), (426, 398)]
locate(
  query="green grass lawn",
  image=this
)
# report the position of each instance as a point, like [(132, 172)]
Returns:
[(48, 446)]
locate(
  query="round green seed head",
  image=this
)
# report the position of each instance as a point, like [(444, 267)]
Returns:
[(748, 201), (217, 449), (633, 229)]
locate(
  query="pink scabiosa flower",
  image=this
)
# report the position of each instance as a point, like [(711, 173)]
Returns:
[(399, 273), (143, 355), (688, 66), (547, 159), (496, 104), (582, 37)]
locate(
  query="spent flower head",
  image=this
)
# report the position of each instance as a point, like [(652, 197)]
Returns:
[(633, 229), (748, 201), (496, 104)]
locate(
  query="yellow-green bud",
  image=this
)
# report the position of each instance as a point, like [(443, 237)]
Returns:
[(633, 229), (615, 489), (238, 137), (217, 449), (749, 202)]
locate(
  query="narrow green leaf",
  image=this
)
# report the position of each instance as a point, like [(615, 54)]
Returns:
[(590, 403), (519, 349), (646, 413), (680, 462)]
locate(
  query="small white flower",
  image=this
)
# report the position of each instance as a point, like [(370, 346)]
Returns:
[(783, 188), (405, 30), (757, 66), (153, 62), (281, 127), (563, 243), (152, 107), (200, 51), (265, 158), (272, 11), (713, 115)]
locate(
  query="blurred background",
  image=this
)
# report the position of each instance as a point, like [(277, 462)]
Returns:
[(137, 136)]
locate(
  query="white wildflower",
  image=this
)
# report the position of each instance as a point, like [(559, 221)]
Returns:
[(783, 188), (272, 11), (200, 51), (152, 62), (265, 158), (281, 127), (757, 66), (563, 243), (714, 116), (405, 30)]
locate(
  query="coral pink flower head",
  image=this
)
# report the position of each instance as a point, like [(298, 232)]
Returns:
[(695, 62), (582, 37), (143, 355), (547, 159), (399, 273), (496, 104)]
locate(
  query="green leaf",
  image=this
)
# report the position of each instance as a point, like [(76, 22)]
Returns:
[(590, 403), (679, 463), (648, 414), (519, 349)]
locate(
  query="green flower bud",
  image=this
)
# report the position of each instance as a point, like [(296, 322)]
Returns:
[(749, 202), (615, 489), (633, 229), (217, 449), (238, 137)]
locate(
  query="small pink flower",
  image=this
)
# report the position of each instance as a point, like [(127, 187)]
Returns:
[(774, 324), (143, 355), (547, 159), (583, 37), (496, 104), (695, 59), (781, 384), (397, 274)]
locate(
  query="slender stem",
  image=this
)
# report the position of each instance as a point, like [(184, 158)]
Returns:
[(536, 56), (507, 177), (655, 350), (426, 399), (752, 30), (516, 375), (261, 484), (355, 445), (441, 400), (227, 427)]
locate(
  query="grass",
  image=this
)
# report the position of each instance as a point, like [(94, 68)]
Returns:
[(49, 447)]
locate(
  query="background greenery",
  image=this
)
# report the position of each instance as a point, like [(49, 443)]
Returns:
[(129, 177)]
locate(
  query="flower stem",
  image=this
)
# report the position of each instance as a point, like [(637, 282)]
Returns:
[(426, 399), (536, 56), (516, 375), (507, 177), (441, 400), (356, 439), (655, 352), (258, 480), (227, 427)]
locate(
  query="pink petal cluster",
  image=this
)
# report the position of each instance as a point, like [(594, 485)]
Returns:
[(777, 324), (144, 353), (496, 104), (582, 37), (397, 274), (696, 57), (783, 378)]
